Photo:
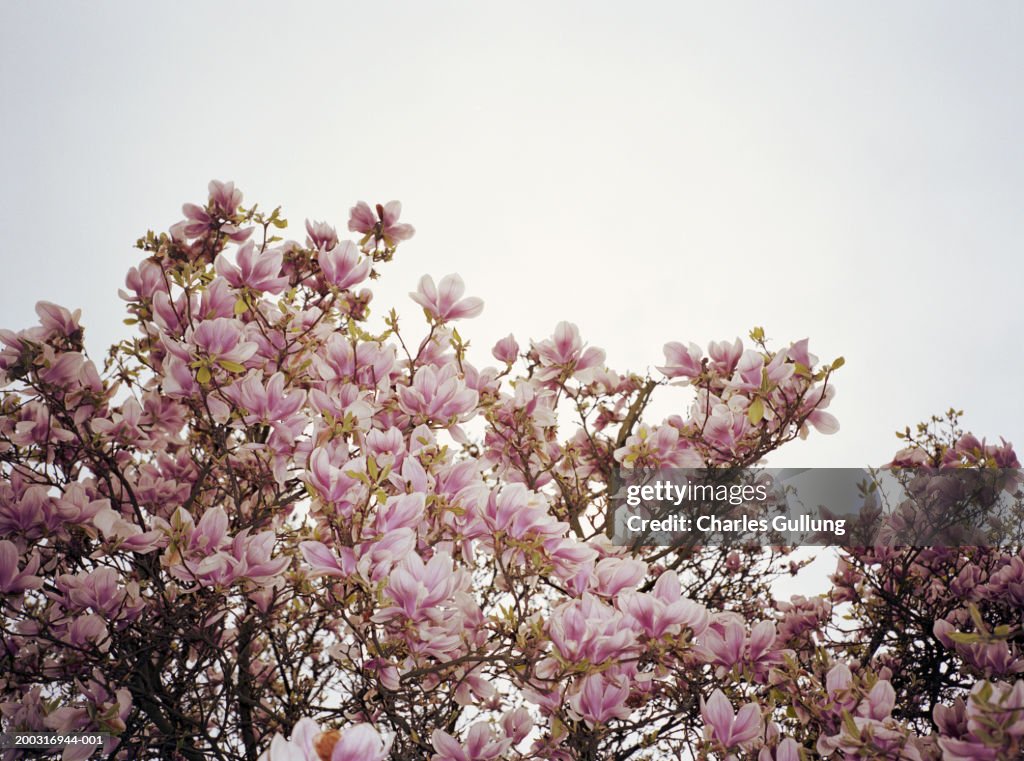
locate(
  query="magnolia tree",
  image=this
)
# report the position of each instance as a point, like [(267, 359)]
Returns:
[(264, 531)]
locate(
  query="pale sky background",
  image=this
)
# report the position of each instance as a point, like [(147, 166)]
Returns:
[(852, 172)]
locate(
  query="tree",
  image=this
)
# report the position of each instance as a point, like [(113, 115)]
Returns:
[(261, 520)]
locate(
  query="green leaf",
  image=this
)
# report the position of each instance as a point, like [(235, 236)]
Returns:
[(232, 367), (964, 638), (755, 412), (839, 362), (241, 307), (203, 376)]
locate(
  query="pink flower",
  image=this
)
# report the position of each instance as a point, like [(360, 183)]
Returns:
[(798, 353), (838, 682), (506, 350), (418, 588), (724, 356), (727, 728), (224, 198), (322, 236), (680, 361), (404, 511), (564, 353), (301, 746), (615, 574), (725, 640), (252, 557), (262, 403), (56, 320), (222, 338), (601, 698), (880, 701), (258, 270), (224, 201), (749, 371), (442, 302), (126, 534), (438, 395), (517, 724), (342, 267), (333, 483), (588, 629), (361, 742), (655, 615), (99, 590), (13, 581), (480, 745), (322, 561), (787, 750), (382, 228), (824, 422), (144, 281), (197, 222), (212, 532)]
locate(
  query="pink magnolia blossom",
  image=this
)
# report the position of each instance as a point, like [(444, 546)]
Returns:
[(223, 339), (480, 745), (565, 352), (616, 574), (444, 301), (56, 320), (600, 699), (359, 742), (588, 629), (259, 270), (729, 729), (127, 534), (322, 560), (517, 725), (439, 396), (12, 580), (224, 197), (321, 235), (724, 356), (380, 228), (268, 505), (682, 361), (419, 588), (342, 265), (264, 403), (506, 350), (787, 750), (143, 281)]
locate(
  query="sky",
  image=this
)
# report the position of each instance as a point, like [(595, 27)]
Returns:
[(653, 172)]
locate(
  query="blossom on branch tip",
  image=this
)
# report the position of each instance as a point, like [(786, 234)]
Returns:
[(730, 729), (601, 698), (380, 228), (12, 580), (444, 301), (321, 236), (259, 270), (342, 265), (681, 361)]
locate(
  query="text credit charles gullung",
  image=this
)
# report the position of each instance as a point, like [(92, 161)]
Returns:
[(668, 494)]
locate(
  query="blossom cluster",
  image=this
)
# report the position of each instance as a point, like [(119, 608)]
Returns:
[(263, 530)]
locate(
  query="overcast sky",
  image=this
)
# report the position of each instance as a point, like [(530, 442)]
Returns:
[(852, 172)]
